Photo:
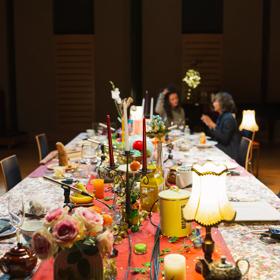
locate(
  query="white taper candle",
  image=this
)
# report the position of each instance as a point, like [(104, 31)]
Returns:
[(143, 107), (126, 137), (152, 108)]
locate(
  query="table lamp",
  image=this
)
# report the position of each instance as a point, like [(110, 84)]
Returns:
[(208, 204), (248, 122)]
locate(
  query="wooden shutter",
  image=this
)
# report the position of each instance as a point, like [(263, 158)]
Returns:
[(204, 50), (74, 55)]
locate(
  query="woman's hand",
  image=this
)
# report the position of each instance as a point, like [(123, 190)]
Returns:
[(208, 121)]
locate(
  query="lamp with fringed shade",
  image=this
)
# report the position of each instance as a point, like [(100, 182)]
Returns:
[(208, 204), (249, 121)]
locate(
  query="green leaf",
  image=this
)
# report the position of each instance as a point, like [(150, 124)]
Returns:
[(164, 251), (161, 260), (137, 270), (134, 228), (89, 241), (147, 264), (108, 198), (90, 250), (173, 239)]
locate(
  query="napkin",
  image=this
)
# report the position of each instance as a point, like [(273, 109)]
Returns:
[(4, 225), (49, 157)]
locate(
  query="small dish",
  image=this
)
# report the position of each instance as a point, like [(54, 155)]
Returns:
[(29, 227), (10, 231)]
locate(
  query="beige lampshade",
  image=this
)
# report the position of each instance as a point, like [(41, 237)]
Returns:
[(249, 121), (208, 204)]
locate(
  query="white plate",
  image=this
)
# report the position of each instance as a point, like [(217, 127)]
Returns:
[(8, 232), (208, 144)]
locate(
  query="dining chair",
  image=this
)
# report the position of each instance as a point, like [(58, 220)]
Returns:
[(244, 152), (248, 134), (254, 157), (42, 145), (11, 171)]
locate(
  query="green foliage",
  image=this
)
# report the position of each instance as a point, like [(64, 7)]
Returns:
[(173, 239)]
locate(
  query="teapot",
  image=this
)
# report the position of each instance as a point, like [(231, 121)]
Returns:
[(18, 262), (223, 270)]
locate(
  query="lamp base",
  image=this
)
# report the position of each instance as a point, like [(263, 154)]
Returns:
[(208, 246)]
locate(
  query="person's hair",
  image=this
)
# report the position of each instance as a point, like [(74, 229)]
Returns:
[(226, 102), (167, 106)]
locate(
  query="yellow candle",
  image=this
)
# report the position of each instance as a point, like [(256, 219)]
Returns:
[(174, 267), (98, 185)]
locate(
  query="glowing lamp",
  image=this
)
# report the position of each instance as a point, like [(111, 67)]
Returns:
[(249, 121), (208, 204)]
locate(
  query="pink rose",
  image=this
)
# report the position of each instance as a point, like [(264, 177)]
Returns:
[(43, 245), (66, 232), (105, 242), (92, 221), (54, 215)]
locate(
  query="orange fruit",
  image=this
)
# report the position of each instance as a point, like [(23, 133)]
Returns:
[(95, 209), (107, 220), (135, 165)]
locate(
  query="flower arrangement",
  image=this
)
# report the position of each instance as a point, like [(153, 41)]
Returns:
[(192, 79), (157, 128), (63, 230), (115, 93)]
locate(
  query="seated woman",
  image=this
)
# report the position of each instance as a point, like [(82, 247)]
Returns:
[(169, 108), (225, 130)]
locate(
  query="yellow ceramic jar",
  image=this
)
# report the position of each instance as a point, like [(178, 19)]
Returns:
[(172, 203)]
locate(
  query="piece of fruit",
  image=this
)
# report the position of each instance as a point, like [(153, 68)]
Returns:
[(80, 199), (202, 138), (107, 220), (138, 145), (135, 165), (95, 209), (81, 187)]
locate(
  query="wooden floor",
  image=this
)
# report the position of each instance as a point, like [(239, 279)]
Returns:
[(269, 172)]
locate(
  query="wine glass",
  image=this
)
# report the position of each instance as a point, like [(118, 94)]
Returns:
[(16, 213), (88, 156)]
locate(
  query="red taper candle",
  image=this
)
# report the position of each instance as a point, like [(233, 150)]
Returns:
[(111, 153), (144, 151)]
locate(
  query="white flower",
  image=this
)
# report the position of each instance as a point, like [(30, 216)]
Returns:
[(115, 94)]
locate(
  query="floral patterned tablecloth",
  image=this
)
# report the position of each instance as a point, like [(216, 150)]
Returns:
[(240, 238)]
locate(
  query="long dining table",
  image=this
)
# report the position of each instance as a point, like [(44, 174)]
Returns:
[(239, 240)]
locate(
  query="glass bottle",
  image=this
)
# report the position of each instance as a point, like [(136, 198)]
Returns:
[(150, 185)]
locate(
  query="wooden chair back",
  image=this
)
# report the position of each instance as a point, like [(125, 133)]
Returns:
[(11, 171), (42, 145)]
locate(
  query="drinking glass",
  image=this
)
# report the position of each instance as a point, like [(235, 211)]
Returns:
[(16, 213), (89, 157)]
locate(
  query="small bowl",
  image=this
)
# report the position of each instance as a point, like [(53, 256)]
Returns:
[(29, 227)]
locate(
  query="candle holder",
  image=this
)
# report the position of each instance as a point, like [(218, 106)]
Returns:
[(128, 186), (131, 212)]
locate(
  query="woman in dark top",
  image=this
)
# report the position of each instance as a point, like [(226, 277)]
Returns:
[(169, 108), (225, 130)]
